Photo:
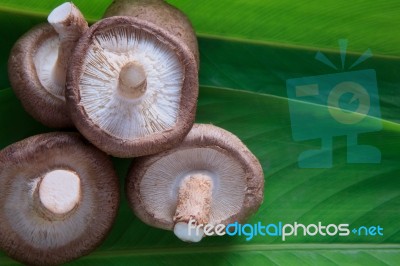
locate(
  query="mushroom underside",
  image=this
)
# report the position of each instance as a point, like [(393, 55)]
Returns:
[(130, 85), (38, 64), (159, 188), (58, 198), (211, 178), (134, 88)]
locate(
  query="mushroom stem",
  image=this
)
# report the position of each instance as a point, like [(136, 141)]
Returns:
[(69, 23), (132, 80), (57, 194), (193, 208)]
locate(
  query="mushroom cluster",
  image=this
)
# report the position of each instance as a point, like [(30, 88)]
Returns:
[(129, 85)]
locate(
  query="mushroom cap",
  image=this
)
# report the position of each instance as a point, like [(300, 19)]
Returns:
[(238, 182), (35, 51), (126, 127), (30, 236), (161, 14)]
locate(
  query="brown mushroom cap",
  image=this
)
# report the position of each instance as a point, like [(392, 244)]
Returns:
[(152, 119), (45, 105), (161, 14), (237, 178), (34, 235)]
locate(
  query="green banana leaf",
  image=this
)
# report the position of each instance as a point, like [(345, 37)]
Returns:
[(249, 49)]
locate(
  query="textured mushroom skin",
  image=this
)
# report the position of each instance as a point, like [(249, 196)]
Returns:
[(150, 144), (209, 136), (35, 99), (161, 14), (13, 162)]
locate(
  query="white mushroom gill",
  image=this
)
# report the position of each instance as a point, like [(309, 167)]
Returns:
[(155, 108), (45, 61), (163, 180)]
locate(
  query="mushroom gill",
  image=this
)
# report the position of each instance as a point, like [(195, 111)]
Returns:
[(131, 83)]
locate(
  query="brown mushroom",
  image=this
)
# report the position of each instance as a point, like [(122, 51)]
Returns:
[(59, 197), (161, 14), (210, 178), (133, 87), (38, 62)]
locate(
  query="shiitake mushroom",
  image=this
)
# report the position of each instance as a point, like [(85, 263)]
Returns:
[(132, 87), (59, 197), (38, 63), (210, 178)]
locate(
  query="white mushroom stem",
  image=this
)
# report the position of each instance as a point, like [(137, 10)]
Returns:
[(59, 191), (193, 208), (132, 80), (70, 24)]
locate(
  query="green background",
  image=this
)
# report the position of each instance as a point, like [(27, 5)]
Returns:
[(248, 49)]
